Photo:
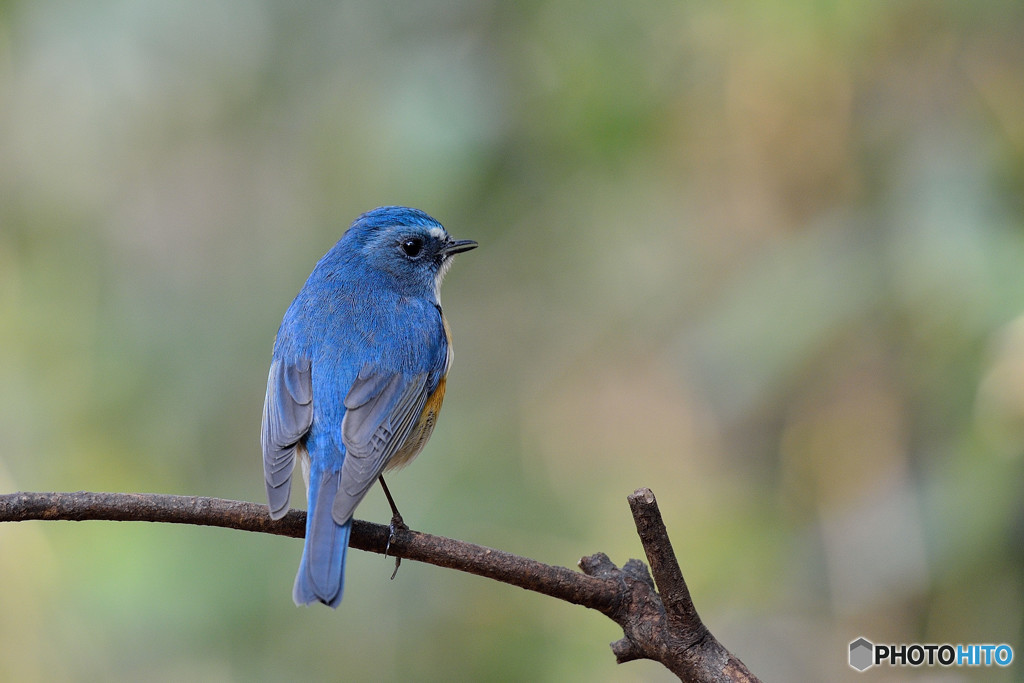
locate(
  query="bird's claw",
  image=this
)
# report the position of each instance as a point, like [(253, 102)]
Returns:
[(397, 525)]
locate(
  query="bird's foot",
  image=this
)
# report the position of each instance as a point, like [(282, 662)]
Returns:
[(397, 525)]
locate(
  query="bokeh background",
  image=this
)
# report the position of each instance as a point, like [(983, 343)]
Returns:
[(766, 258)]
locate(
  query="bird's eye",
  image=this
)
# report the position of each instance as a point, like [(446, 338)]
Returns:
[(412, 246)]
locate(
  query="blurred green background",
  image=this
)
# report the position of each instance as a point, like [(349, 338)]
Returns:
[(766, 258)]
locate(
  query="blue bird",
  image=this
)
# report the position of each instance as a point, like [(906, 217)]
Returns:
[(357, 378)]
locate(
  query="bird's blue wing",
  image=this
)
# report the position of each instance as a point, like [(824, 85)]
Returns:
[(287, 415), (382, 409)]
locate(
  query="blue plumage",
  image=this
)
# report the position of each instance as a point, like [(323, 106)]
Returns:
[(356, 379)]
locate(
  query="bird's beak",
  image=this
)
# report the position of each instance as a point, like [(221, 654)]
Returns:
[(458, 246)]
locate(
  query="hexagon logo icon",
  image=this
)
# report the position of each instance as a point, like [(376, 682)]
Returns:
[(861, 651)]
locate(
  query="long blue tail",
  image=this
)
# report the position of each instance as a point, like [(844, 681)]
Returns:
[(322, 570)]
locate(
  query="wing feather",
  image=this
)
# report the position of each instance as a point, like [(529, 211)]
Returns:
[(382, 410), (287, 415)]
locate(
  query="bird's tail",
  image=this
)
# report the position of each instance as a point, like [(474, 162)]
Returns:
[(322, 570)]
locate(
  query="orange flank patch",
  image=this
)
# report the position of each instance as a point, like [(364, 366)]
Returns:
[(421, 431)]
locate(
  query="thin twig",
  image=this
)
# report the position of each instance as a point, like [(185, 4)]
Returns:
[(558, 582)]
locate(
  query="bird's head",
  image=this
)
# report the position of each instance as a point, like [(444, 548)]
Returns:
[(405, 244)]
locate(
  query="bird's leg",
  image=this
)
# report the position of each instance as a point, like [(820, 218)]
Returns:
[(397, 524)]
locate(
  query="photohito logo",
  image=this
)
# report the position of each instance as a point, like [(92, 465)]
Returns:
[(864, 654)]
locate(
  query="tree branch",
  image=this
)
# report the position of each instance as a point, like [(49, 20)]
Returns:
[(671, 633)]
